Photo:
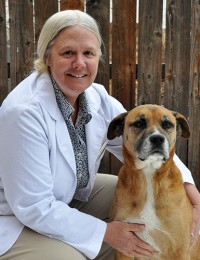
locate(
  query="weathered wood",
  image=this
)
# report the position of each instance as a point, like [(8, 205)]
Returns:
[(123, 52), (123, 57), (3, 53), (150, 52), (43, 10), (176, 93), (21, 39), (100, 10), (194, 94), (72, 5)]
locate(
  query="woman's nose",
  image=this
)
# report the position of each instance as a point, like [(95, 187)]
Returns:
[(79, 62)]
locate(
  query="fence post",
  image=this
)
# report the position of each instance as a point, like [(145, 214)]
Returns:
[(150, 52), (21, 39), (176, 93)]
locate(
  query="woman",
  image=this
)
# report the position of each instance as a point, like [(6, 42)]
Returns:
[(53, 128)]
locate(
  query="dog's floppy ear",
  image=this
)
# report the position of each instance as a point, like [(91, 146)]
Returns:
[(116, 126), (182, 125)]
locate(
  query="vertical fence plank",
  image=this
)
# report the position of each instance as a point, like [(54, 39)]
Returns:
[(72, 5), (21, 39), (100, 10), (43, 10), (123, 57), (194, 97), (178, 63), (3, 53), (123, 52), (150, 51)]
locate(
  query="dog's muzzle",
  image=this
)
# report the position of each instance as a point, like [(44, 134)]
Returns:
[(155, 145)]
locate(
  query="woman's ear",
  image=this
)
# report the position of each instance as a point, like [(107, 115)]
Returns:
[(47, 59)]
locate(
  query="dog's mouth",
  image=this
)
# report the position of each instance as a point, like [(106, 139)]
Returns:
[(156, 154)]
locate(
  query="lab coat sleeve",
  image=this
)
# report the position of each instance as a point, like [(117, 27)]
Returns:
[(186, 173), (28, 184)]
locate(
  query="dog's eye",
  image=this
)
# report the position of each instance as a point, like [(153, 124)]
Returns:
[(139, 124), (167, 124)]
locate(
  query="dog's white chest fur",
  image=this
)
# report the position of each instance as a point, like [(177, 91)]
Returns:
[(148, 215)]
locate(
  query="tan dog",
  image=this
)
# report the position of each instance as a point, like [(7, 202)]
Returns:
[(150, 187)]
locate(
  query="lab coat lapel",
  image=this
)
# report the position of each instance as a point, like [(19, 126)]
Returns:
[(95, 129), (95, 139), (65, 144), (48, 100)]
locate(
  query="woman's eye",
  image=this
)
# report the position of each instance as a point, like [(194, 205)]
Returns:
[(89, 53), (68, 53)]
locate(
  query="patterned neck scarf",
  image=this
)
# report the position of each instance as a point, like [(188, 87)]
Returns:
[(76, 132)]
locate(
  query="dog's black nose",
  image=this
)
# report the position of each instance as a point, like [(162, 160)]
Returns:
[(157, 139)]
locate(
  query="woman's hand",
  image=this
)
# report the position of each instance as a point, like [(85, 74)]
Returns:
[(195, 224), (121, 237)]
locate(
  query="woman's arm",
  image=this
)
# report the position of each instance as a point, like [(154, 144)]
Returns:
[(32, 182), (194, 196)]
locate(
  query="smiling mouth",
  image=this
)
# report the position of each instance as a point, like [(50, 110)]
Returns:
[(77, 76)]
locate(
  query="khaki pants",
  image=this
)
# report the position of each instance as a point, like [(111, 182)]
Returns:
[(33, 246)]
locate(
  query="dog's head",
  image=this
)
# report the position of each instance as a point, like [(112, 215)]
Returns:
[(149, 131)]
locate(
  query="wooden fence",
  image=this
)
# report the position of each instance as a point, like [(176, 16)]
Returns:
[(133, 69)]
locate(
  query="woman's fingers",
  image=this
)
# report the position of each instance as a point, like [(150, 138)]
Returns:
[(121, 236)]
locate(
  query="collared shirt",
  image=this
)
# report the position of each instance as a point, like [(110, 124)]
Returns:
[(76, 132)]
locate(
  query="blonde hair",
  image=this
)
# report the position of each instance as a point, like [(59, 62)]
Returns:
[(54, 25)]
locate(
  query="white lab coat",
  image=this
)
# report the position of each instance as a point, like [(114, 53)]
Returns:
[(38, 169)]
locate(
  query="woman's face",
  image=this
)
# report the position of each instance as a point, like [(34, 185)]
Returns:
[(73, 60)]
